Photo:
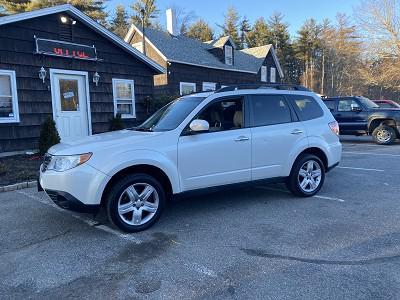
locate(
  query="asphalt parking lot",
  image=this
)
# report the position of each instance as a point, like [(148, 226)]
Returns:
[(259, 242)]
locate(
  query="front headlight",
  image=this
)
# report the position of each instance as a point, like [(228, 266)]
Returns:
[(61, 163)]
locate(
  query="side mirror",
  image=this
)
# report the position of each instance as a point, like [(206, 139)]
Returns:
[(199, 126)]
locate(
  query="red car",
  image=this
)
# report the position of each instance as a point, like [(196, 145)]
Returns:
[(387, 103)]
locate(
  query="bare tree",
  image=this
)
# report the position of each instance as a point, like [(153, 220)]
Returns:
[(379, 21), (183, 18)]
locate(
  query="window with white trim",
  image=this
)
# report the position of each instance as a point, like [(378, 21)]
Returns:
[(124, 97), (273, 75), (209, 86), (263, 73), (8, 97), (187, 88), (228, 55)]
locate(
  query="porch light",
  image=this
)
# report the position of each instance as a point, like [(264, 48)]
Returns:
[(64, 19), (42, 74), (96, 78)]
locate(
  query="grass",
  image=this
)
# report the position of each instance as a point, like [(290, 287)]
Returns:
[(19, 168)]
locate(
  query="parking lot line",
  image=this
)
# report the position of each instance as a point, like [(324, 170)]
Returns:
[(369, 153), (361, 169), (315, 196), (90, 222)]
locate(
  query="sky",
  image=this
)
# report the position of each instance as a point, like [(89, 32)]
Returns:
[(295, 11)]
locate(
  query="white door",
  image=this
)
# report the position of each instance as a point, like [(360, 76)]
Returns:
[(274, 135), (220, 156), (70, 105)]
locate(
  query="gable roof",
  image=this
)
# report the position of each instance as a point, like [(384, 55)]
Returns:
[(184, 50), (76, 13), (220, 42)]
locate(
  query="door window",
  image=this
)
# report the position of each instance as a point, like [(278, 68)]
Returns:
[(269, 110), (330, 104), (224, 115), (348, 105), (307, 108), (69, 95)]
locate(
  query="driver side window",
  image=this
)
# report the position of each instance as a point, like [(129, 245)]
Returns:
[(347, 105), (224, 115)]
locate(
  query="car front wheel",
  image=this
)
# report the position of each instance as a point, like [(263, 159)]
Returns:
[(307, 176), (135, 202)]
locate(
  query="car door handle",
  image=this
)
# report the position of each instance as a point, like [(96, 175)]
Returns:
[(242, 139), (297, 131)]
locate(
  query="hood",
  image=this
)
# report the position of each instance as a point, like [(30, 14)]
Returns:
[(103, 142)]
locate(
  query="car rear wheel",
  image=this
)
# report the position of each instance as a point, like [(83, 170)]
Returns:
[(384, 135), (135, 202), (307, 176)]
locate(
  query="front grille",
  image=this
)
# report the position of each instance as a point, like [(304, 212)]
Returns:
[(46, 162)]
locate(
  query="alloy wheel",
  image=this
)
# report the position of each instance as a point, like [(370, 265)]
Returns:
[(138, 204), (310, 175)]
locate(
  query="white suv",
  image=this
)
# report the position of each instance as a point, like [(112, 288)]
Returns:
[(214, 139)]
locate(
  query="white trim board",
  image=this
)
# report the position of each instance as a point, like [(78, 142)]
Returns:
[(70, 72), (68, 8), (14, 97)]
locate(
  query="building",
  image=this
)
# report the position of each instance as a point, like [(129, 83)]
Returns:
[(193, 66), (59, 62)]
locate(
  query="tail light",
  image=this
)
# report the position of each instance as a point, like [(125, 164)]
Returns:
[(334, 127)]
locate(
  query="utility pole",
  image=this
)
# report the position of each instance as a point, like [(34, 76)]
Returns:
[(143, 12)]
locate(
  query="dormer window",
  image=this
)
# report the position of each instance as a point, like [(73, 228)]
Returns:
[(228, 55)]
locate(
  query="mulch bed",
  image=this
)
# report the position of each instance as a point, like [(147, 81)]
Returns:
[(19, 168)]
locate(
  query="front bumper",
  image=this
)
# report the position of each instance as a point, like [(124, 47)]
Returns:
[(69, 202), (76, 189)]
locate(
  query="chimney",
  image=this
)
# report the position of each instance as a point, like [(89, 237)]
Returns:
[(171, 22)]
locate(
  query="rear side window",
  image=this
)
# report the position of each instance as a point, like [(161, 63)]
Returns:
[(306, 107), (330, 104), (269, 110)]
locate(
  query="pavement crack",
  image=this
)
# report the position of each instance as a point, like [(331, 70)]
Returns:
[(40, 241), (361, 262)]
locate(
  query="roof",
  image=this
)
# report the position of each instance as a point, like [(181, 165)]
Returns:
[(76, 13), (220, 42), (197, 53)]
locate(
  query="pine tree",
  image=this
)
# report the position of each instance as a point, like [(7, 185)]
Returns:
[(149, 8), (200, 30), (119, 24), (231, 25), (259, 34), (244, 29), (93, 8), (48, 136)]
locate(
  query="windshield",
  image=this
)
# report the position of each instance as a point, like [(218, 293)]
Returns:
[(367, 103), (171, 115)]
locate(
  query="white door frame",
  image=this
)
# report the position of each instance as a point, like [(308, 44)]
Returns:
[(53, 72)]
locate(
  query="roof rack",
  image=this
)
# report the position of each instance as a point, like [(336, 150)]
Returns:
[(276, 86)]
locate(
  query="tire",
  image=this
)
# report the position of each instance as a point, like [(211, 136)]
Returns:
[(384, 135), (135, 202), (314, 184)]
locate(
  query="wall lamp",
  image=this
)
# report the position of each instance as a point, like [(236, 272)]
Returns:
[(42, 74), (96, 78)]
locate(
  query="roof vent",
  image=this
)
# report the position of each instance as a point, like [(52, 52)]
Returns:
[(171, 22)]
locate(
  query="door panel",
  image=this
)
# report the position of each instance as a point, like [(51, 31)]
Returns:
[(271, 148), (351, 121), (69, 102), (214, 158)]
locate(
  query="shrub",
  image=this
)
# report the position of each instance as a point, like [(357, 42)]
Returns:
[(3, 169), (48, 135), (116, 123), (155, 103)]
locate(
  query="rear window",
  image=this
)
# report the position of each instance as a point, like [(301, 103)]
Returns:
[(269, 110), (306, 107)]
